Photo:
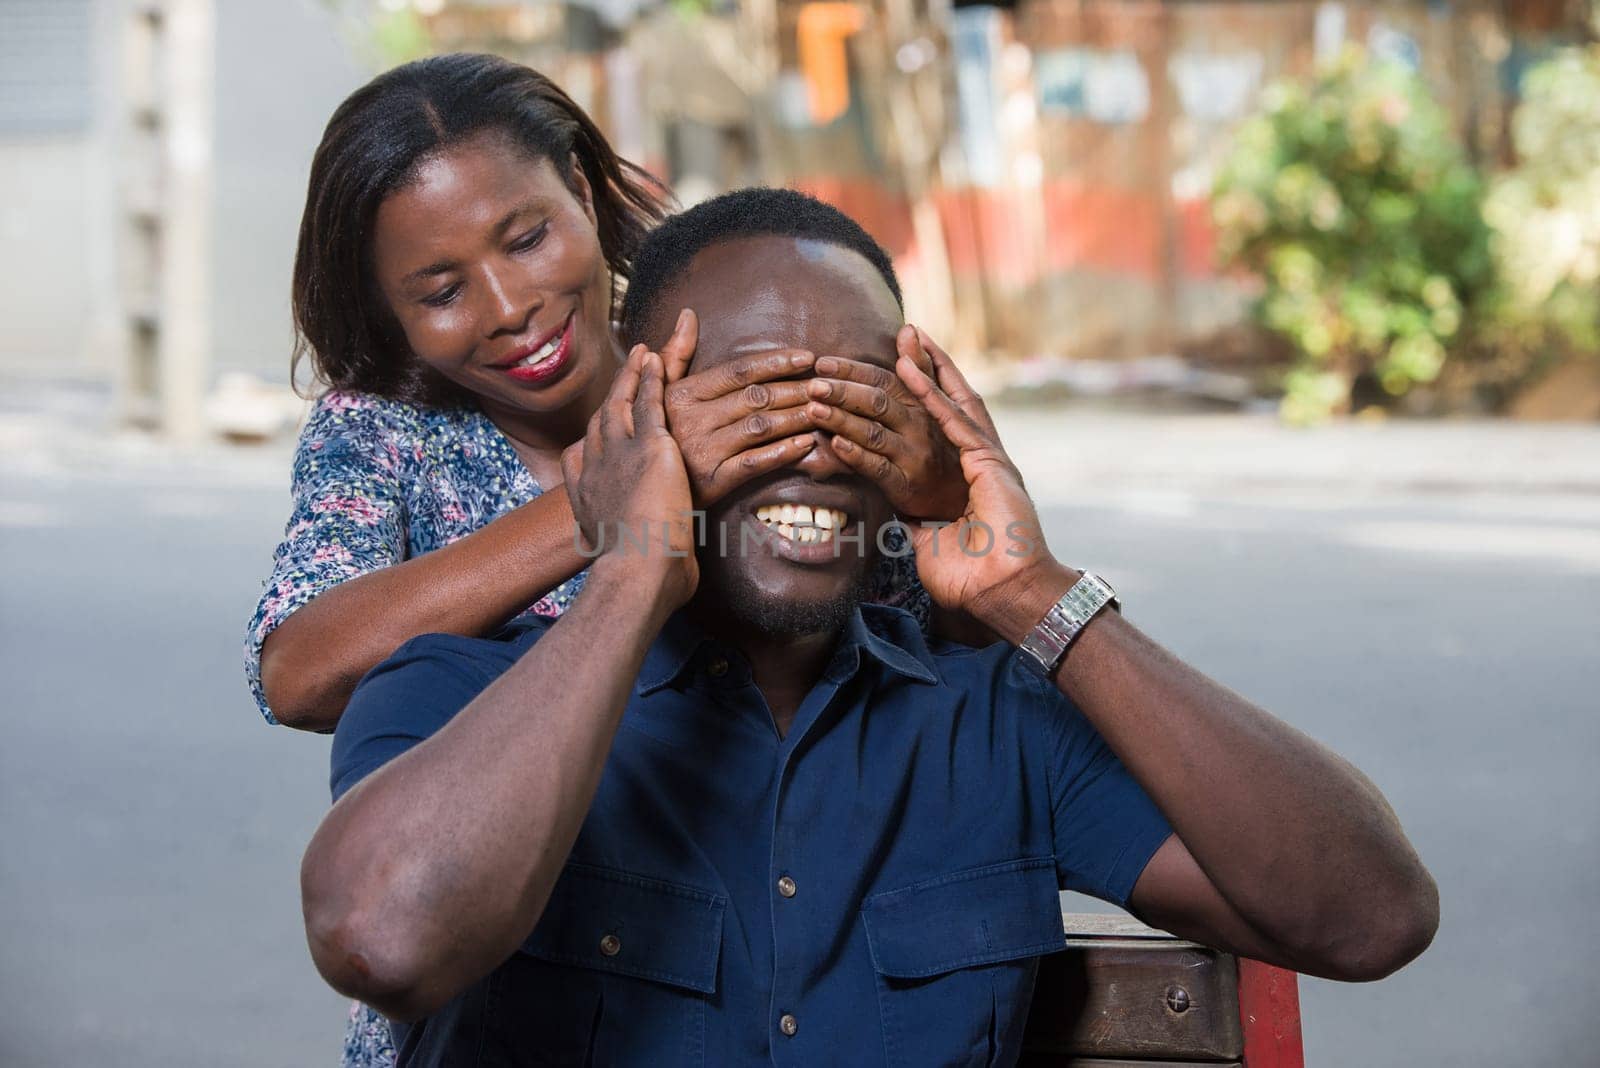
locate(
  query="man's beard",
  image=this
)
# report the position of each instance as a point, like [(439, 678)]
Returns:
[(776, 617)]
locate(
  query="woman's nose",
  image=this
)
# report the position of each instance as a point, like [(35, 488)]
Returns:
[(511, 301)]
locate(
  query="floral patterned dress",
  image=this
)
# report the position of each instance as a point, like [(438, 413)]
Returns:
[(378, 481)]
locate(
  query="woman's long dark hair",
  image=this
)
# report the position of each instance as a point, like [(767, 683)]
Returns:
[(372, 147)]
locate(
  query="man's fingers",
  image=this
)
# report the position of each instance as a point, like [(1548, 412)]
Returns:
[(964, 433), (752, 463), (867, 433), (888, 475), (739, 372), (955, 385), (616, 414), (648, 414), (869, 402), (908, 343), (679, 349)]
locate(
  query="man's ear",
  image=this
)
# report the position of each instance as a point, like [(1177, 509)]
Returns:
[(578, 182)]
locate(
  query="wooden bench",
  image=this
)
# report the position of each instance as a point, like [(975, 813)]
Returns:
[(1123, 995)]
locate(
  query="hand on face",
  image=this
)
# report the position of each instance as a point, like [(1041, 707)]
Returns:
[(880, 430), (628, 483), (989, 561), (739, 419)]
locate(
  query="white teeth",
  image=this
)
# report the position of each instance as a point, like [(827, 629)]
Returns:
[(544, 352), (802, 523)]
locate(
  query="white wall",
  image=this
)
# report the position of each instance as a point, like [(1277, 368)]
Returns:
[(281, 68)]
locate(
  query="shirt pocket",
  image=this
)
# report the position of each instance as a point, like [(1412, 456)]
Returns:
[(956, 958), (618, 971)]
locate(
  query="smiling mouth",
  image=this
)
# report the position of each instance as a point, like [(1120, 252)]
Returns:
[(802, 523), (545, 353)]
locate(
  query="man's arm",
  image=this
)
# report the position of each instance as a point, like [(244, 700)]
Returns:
[(431, 872), (1283, 851)]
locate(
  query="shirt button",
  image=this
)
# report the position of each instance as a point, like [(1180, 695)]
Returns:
[(718, 668), (786, 886), (611, 945), (788, 1024)]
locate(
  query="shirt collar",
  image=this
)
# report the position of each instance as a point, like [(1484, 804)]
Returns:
[(889, 636), (892, 638)]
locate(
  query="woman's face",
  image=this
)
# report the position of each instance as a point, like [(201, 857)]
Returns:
[(492, 265)]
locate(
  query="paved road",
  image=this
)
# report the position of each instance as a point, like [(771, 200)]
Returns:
[(1445, 642)]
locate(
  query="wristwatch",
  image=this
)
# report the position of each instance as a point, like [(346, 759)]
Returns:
[(1048, 641)]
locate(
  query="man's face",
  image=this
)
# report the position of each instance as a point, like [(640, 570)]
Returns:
[(765, 563)]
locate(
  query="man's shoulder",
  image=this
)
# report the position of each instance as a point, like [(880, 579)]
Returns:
[(989, 667), (415, 692)]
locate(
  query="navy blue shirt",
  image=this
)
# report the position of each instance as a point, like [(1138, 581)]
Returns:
[(874, 888)]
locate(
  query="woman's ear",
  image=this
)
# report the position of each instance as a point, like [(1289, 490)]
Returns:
[(581, 189)]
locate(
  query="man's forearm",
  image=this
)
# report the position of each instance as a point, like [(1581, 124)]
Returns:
[(431, 872), (1300, 843)]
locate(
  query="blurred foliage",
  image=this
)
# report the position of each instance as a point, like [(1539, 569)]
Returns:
[(1546, 215), (1352, 201), (384, 33)]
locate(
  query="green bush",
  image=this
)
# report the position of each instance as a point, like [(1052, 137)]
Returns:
[(1352, 202), (1546, 211)]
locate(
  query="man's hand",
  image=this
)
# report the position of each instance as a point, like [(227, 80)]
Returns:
[(628, 485), (741, 419), (880, 430), (992, 563)]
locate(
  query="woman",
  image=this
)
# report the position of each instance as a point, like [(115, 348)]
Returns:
[(465, 235)]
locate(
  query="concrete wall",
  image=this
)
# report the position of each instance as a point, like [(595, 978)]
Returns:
[(281, 68), (57, 243)]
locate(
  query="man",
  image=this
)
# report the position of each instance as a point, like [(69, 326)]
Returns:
[(745, 819)]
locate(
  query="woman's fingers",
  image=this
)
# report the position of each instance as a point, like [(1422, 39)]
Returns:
[(888, 475), (869, 402), (735, 408), (735, 374), (679, 349), (740, 468), (758, 427), (867, 433)]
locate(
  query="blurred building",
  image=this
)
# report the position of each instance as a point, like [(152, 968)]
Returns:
[(1039, 169), (153, 159)]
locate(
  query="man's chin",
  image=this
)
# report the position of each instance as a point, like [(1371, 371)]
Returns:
[(753, 610)]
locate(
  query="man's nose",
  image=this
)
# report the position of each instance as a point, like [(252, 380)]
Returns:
[(822, 463)]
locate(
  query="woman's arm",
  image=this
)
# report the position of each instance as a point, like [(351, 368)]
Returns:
[(313, 659)]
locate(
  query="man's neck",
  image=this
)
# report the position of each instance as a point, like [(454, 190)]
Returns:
[(784, 668)]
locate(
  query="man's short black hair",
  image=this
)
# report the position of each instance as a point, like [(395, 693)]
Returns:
[(756, 212)]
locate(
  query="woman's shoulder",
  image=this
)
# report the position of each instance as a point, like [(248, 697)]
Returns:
[(356, 417)]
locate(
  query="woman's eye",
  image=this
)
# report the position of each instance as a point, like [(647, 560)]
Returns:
[(530, 240), (443, 297)]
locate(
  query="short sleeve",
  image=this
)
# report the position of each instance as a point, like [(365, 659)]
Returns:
[(406, 699), (1105, 826), (347, 515)]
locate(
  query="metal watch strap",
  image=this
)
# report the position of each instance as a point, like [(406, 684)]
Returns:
[(1048, 641)]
